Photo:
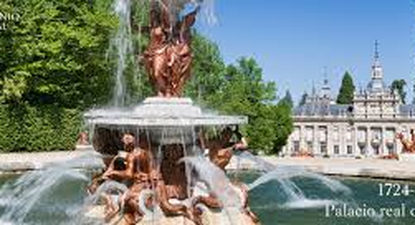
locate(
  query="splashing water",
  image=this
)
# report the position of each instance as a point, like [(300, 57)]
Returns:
[(284, 174), (281, 173), (262, 164), (215, 180), (34, 192), (122, 45), (37, 192)]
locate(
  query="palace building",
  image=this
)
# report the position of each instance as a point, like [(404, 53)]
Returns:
[(365, 128)]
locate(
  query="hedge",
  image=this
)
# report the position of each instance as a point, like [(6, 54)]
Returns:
[(46, 128)]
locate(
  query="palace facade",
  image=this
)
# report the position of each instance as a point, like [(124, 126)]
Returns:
[(365, 128)]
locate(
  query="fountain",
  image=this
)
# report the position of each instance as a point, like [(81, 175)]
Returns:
[(165, 175), (172, 181)]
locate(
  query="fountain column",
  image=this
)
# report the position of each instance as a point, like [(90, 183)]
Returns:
[(316, 140), (383, 150), (302, 138), (370, 151), (355, 140), (330, 140)]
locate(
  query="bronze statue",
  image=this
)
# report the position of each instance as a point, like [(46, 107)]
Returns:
[(408, 145), (83, 139), (168, 56), (221, 149), (172, 184), (136, 171)]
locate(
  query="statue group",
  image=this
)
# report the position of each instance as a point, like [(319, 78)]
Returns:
[(168, 56), (163, 183)]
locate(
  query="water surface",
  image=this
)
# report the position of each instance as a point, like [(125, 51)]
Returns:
[(58, 204)]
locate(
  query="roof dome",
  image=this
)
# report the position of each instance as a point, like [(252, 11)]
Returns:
[(376, 85)]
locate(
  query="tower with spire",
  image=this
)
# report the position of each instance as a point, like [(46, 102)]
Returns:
[(325, 91), (378, 100), (376, 84)]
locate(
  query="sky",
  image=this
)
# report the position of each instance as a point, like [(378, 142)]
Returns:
[(300, 42)]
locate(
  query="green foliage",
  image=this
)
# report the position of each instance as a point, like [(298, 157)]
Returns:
[(346, 91), (399, 86), (55, 64), (208, 70), (56, 53), (283, 125), (25, 128), (243, 92), (303, 99), (287, 99)]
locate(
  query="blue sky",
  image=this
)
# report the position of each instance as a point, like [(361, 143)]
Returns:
[(296, 41)]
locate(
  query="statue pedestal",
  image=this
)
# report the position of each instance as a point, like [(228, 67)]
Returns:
[(167, 120)]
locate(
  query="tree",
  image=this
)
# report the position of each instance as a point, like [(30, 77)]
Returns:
[(55, 63), (243, 92), (283, 126), (303, 99), (346, 91), (287, 99), (399, 86), (53, 66), (55, 54), (208, 70)]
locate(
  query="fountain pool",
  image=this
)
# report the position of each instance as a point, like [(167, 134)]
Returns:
[(267, 201)]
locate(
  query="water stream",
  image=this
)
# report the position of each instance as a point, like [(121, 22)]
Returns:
[(121, 43)]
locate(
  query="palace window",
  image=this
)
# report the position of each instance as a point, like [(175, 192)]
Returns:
[(336, 133), (296, 146), (349, 149), (310, 145), (309, 134), (296, 134), (361, 135), (390, 135), (323, 134), (323, 147), (336, 149), (349, 133)]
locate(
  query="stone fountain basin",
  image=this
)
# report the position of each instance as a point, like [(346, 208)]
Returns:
[(160, 112), (229, 216)]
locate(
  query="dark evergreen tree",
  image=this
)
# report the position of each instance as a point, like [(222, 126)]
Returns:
[(303, 99), (399, 86), (288, 100), (346, 91)]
